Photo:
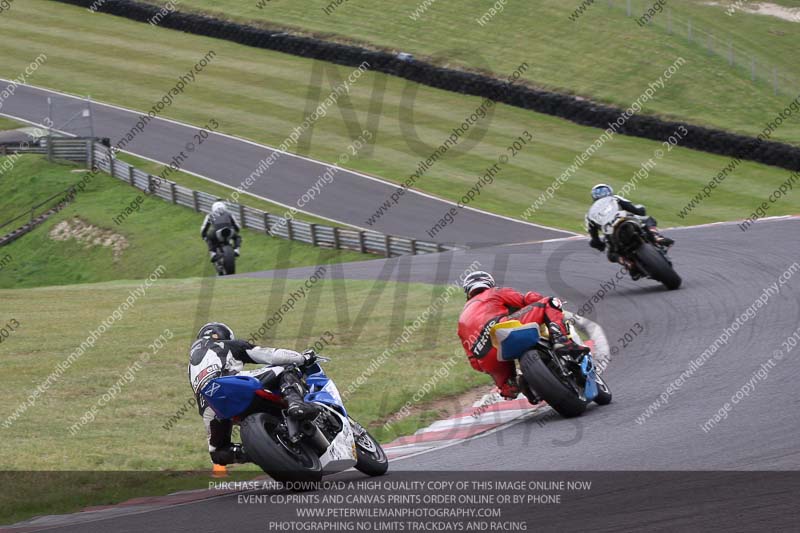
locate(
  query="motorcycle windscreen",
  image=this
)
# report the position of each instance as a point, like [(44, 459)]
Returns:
[(321, 389), (229, 396), (513, 338)]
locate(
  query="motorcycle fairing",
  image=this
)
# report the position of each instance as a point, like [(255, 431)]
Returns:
[(322, 389), (341, 454), (229, 396)]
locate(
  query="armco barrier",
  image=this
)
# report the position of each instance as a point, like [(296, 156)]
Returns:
[(577, 110), (296, 230), (71, 149)]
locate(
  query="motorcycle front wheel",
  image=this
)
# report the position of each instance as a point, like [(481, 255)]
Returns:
[(372, 459)]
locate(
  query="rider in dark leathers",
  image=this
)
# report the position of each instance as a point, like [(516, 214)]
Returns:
[(218, 219)]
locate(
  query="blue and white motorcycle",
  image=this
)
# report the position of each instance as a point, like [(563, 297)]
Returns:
[(290, 450), (566, 384)]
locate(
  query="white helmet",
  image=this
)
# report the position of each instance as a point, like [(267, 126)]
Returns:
[(477, 280), (218, 208), (601, 190)]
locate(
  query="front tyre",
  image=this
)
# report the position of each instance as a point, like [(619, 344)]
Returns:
[(282, 460), (656, 265), (557, 392), (372, 459), (603, 392)]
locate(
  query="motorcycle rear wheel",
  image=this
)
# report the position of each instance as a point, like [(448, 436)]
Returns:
[(552, 389), (228, 260), (657, 266), (282, 461)]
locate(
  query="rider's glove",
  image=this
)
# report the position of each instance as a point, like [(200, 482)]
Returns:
[(597, 244), (309, 357), (240, 344)]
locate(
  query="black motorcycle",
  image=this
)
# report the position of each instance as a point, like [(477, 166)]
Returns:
[(567, 384), (225, 262), (633, 241)]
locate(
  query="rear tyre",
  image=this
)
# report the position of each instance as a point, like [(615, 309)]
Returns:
[(372, 459), (559, 395), (655, 264), (282, 461), (228, 261)]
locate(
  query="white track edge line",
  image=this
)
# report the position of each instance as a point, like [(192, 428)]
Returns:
[(315, 161)]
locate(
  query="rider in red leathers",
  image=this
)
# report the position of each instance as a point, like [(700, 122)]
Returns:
[(486, 306)]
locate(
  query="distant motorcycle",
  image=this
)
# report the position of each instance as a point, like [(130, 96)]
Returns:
[(291, 450), (630, 237), (226, 258), (568, 385)]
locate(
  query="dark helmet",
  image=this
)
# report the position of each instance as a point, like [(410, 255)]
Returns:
[(476, 281), (216, 331), (601, 190)]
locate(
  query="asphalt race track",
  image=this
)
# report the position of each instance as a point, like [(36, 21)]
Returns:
[(230, 161), (725, 271)]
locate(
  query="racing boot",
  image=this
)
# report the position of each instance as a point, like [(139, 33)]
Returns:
[(236, 252), (230, 455), (213, 257), (563, 345), (292, 390), (633, 270), (660, 239), (510, 389)]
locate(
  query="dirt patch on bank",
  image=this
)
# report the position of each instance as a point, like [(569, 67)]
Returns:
[(792, 14), (89, 235)]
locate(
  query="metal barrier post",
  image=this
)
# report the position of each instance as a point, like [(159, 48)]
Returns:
[(361, 244)]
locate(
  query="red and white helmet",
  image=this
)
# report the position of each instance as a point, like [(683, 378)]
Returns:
[(476, 281)]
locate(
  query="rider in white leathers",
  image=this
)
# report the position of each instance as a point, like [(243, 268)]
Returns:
[(217, 353), (602, 214)]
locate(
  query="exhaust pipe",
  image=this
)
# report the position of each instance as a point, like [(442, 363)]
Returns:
[(315, 437)]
